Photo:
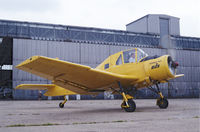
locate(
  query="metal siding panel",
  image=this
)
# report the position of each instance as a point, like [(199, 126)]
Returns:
[(102, 52), (194, 89), (51, 50), (63, 50), (180, 70), (84, 53), (153, 51), (21, 50), (150, 52), (197, 74), (92, 54), (197, 58), (182, 54), (182, 86), (190, 74), (16, 72), (194, 72), (88, 64), (147, 50), (157, 52), (193, 59), (163, 51), (179, 57), (173, 89), (186, 76), (43, 48), (115, 49), (75, 50), (68, 52), (187, 58), (15, 49)]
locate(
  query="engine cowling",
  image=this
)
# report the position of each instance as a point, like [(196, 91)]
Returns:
[(162, 68)]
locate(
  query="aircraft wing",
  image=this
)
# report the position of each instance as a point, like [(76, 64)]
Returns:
[(74, 77), (51, 89)]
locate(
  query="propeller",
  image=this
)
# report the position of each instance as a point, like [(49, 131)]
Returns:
[(171, 50)]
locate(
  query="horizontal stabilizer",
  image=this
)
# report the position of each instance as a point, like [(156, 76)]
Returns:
[(35, 86), (52, 89)]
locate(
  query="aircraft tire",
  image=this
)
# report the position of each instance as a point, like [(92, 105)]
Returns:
[(162, 103), (132, 105), (61, 105)]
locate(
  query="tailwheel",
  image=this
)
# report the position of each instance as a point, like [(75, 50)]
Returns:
[(162, 103), (131, 107), (62, 104)]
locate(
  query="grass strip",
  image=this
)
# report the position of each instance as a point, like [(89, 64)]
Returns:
[(74, 123)]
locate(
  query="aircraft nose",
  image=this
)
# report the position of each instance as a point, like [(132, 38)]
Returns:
[(172, 65)]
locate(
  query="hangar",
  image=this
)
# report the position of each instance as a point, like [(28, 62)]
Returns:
[(156, 34)]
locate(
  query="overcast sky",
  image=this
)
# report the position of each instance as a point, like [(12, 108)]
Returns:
[(111, 14)]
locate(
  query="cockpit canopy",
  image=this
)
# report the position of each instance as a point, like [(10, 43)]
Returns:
[(123, 57), (133, 55)]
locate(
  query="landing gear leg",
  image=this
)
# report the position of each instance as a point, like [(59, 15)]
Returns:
[(128, 104), (162, 102), (62, 104)]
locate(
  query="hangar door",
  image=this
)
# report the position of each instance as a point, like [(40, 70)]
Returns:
[(6, 45)]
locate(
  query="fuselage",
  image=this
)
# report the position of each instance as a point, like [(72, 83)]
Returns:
[(147, 70)]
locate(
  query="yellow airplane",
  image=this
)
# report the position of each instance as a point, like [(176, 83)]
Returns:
[(122, 73)]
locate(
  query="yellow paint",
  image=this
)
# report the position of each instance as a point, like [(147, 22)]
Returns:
[(128, 96), (125, 99), (161, 96)]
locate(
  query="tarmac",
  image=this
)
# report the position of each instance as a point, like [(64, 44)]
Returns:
[(182, 115)]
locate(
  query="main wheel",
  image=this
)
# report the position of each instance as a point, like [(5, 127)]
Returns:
[(132, 106), (61, 105), (162, 103)]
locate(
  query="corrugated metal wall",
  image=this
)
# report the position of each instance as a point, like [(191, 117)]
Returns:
[(94, 54)]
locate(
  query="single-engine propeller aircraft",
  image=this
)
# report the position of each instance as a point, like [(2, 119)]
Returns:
[(122, 73)]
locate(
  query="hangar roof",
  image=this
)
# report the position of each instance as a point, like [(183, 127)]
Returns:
[(56, 32)]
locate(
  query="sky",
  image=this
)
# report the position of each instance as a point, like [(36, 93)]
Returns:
[(109, 14)]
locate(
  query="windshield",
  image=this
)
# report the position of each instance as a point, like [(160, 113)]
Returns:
[(129, 56), (140, 54)]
